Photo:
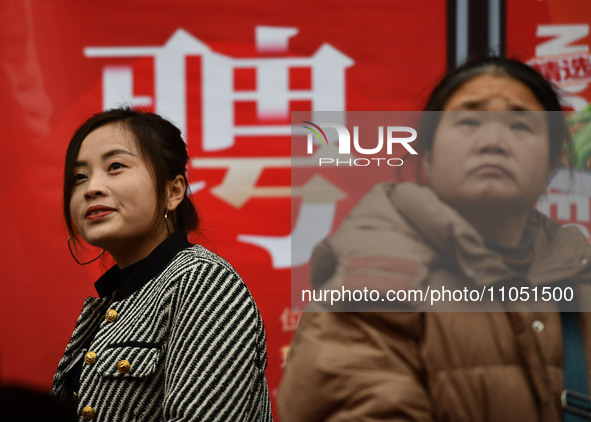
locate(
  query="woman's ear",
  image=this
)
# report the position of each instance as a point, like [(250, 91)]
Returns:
[(175, 192)]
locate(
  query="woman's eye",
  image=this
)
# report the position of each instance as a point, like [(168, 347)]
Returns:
[(469, 122), (78, 177), (521, 126), (116, 166)]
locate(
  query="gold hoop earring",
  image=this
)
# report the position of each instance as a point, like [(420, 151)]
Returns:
[(74, 256)]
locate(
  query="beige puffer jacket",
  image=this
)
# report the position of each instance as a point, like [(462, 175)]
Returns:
[(431, 366)]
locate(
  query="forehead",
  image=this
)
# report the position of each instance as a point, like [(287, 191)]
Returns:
[(493, 91), (112, 136)]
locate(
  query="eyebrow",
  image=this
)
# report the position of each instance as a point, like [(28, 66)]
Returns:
[(475, 105), (514, 108), (107, 155)]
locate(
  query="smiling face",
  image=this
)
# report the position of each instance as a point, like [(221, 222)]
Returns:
[(491, 147), (114, 202)]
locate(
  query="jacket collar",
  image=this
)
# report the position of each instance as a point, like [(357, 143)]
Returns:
[(130, 279), (559, 252)]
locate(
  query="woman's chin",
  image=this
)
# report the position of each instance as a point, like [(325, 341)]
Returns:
[(98, 241)]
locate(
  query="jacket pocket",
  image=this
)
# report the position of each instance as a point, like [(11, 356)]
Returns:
[(131, 361)]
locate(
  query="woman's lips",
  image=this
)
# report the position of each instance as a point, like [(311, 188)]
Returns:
[(97, 212), (98, 215), (491, 170)]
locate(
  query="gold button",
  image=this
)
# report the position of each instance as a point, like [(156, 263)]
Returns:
[(87, 413), (90, 358), (124, 367), (111, 315), (75, 394)]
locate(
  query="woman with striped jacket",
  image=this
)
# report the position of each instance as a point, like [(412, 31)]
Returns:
[(174, 333)]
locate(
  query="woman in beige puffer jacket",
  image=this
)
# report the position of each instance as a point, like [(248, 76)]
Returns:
[(473, 227)]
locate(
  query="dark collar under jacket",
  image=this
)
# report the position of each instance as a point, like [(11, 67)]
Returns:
[(132, 278)]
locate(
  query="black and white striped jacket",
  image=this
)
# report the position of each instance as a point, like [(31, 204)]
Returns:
[(188, 345)]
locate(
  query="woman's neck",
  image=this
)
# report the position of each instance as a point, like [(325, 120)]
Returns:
[(501, 226), (134, 250)]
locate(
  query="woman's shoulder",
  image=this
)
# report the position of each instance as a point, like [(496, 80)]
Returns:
[(196, 267), (554, 232), (198, 256)]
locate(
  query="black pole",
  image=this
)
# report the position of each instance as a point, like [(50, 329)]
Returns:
[(475, 28)]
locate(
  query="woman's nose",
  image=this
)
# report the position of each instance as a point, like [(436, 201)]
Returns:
[(95, 187), (492, 138)]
